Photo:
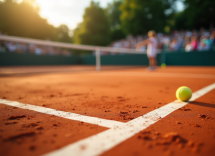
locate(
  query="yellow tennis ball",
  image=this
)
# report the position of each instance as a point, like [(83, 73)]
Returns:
[(163, 65), (183, 93)]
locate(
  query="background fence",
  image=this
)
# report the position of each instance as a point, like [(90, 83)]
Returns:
[(206, 58)]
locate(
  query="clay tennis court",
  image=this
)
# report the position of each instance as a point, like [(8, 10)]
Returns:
[(119, 111)]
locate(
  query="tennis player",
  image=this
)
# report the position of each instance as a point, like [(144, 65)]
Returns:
[(151, 49)]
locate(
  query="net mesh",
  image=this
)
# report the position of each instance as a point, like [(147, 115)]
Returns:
[(47, 47)]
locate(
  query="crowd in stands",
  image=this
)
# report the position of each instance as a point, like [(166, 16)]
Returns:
[(176, 41), (14, 47)]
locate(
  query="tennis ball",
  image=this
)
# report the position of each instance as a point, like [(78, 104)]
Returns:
[(183, 93), (163, 65)]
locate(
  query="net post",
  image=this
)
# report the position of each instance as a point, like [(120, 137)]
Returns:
[(98, 59)]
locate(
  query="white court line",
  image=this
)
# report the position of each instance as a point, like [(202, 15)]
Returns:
[(151, 74), (104, 141), (67, 115)]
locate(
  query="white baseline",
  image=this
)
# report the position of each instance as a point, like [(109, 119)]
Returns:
[(104, 141), (67, 115)]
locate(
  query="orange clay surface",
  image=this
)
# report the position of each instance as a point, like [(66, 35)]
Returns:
[(107, 94)]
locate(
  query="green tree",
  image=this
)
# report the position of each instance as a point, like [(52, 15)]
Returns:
[(117, 33), (76, 33), (140, 16), (23, 19), (63, 34), (197, 14), (113, 13), (94, 30)]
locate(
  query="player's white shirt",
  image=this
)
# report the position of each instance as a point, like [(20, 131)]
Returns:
[(152, 47)]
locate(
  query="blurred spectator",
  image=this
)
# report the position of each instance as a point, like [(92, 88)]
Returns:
[(194, 43), (165, 41), (32, 48), (202, 32), (174, 45), (207, 42), (202, 46), (185, 41), (117, 44), (66, 52), (212, 37), (19, 48), (38, 50), (188, 34), (125, 44), (188, 46), (11, 46)]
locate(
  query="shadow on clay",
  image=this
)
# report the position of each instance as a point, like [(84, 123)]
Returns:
[(202, 104)]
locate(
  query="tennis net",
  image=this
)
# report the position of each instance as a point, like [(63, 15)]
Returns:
[(20, 44)]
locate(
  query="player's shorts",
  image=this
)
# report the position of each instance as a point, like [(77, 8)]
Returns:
[(151, 54)]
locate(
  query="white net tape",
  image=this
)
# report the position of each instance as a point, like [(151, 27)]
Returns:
[(68, 45)]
